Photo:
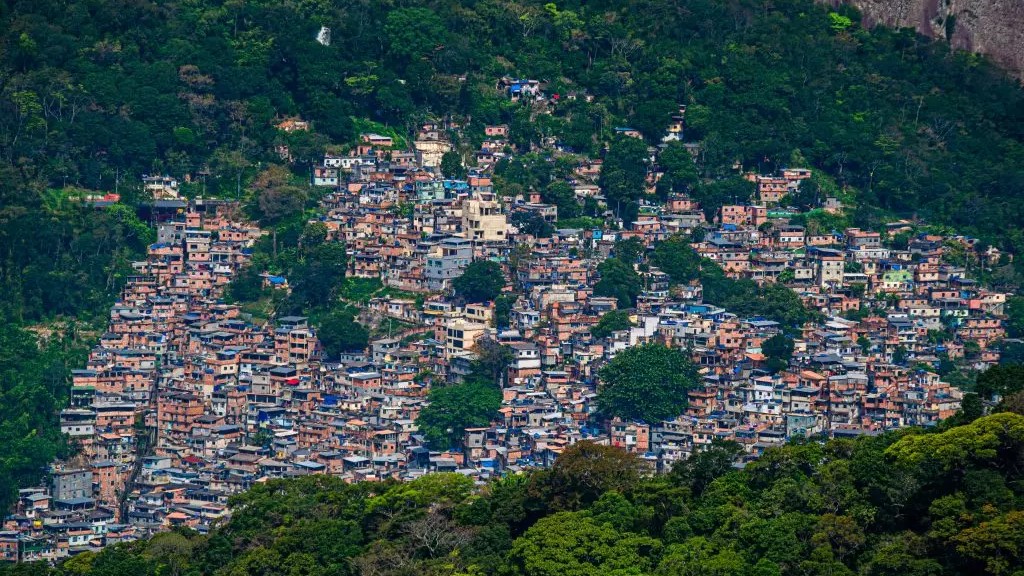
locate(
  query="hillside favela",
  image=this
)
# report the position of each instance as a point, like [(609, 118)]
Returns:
[(475, 287)]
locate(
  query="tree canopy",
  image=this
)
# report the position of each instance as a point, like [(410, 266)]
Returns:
[(454, 408), (610, 322), (680, 172), (451, 165), (561, 194), (647, 382), (339, 332), (622, 176), (778, 349), (481, 281), (675, 258), (618, 280)]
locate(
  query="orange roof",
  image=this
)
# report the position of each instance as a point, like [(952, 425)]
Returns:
[(811, 375)]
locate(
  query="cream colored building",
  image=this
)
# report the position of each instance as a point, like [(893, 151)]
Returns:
[(479, 313), (461, 336), (482, 219)]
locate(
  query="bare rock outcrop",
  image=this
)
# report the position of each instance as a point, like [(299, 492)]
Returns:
[(991, 27)]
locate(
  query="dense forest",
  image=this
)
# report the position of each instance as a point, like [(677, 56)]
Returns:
[(910, 502), (100, 91), (60, 268)]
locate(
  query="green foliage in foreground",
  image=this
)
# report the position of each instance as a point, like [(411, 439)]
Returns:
[(911, 502)]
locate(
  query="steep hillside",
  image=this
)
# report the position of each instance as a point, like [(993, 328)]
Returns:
[(94, 93), (100, 89), (991, 27)]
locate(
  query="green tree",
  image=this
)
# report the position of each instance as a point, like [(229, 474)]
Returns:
[(900, 355), (277, 199), (647, 382), (247, 285), (503, 310), (340, 332), (1015, 316), (611, 322), (619, 281), (622, 176), (116, 561), (702, 468), (864, 343), (319, 274), (532, 223), (680, 172), (1011, 352), (492, 360), (451, 165), (993, 438), (995, 546), (583, 472), (305, 146), (574, 544), (778, 349), (971, 408), (481, 281), (172, 552), (905, 553), (561, 194), (414, 33), (1000, 380), (629, 250), (675, 258), (452, 409), (700, 556), (313, 235)]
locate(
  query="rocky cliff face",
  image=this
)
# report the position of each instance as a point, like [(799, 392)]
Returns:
[(991, 27)]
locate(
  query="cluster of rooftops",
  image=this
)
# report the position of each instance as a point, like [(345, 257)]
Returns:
[(186, 400)]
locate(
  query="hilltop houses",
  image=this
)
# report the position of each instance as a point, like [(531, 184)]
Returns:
[(220, 401)]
